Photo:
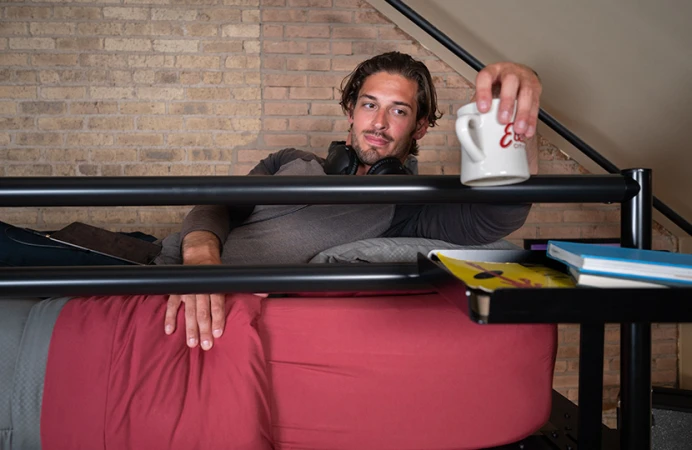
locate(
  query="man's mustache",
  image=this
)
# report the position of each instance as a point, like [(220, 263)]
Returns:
[(379, 135)]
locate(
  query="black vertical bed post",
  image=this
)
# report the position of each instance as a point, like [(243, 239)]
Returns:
[(591, 348), (635, 338)]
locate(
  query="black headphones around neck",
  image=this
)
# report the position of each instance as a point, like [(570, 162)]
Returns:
[(343, 160)]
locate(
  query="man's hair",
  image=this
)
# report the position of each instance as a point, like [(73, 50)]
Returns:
[(394, 63)]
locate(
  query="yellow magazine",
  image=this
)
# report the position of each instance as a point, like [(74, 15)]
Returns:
[(489, 276)]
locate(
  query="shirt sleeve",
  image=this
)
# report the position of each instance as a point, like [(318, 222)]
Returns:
[(461, 224), (221, 219)]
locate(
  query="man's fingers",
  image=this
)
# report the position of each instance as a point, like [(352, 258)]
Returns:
[(218, 314), (191, 329), (484, 88), (524, 111), (171, 313), (533, 120), (508, 95), (204, 321)]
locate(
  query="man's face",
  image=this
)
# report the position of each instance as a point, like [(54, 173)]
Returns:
[(383, 121)]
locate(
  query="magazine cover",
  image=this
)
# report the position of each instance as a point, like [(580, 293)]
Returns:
[(489, 276)]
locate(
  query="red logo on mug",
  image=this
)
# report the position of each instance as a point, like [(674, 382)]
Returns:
[(506, 140)]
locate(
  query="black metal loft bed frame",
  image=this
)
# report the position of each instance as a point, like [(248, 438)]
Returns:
[(634, 309), (592, 308)]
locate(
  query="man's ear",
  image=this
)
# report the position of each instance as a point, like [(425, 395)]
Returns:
[(349, 114), (421, 129)]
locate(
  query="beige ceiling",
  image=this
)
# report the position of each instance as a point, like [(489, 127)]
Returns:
[(617, 73)]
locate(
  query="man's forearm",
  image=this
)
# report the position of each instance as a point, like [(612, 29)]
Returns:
[(199, 247), (212, 218), (462, 224)]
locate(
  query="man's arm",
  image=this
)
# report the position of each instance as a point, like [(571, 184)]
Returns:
[(462, 224), (203, 234), (218, 220)]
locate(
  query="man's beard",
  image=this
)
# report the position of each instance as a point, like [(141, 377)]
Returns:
[(370, 156)]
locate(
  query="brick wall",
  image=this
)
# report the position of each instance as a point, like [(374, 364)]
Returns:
[(208, 87)]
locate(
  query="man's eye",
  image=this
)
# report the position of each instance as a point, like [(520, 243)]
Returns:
[(368, 105), (399, 112)]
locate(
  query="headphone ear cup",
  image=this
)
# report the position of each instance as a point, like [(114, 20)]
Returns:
[(341, 160), (388, 166), (353, 161)]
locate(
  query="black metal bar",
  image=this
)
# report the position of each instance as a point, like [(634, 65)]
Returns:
[(635, 337), (549, 120), (591, 348), (116, 280), (436, 34), (562, 428), (140, 191), (674, 217), (585, 305)]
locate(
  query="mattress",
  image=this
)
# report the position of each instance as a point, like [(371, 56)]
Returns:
[(338, 371)]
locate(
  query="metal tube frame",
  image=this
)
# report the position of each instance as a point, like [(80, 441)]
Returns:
[(591, 349), (632, 189), (635, 338), (334, 189)]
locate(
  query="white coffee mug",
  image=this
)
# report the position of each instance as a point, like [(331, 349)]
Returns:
[(492, 154)]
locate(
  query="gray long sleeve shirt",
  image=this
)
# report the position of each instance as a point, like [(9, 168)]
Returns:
[(286, 234)]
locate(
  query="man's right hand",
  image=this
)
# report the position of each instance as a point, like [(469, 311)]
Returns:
[(205, 314)]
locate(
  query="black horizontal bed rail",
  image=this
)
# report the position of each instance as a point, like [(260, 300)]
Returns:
[(117, 280), (289, 190)]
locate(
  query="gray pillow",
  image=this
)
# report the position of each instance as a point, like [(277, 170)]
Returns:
[(401, 249)]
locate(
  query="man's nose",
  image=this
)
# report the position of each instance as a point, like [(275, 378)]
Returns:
[(380, 120)]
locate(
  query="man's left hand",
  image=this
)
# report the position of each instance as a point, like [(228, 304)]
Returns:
[(516, 82)]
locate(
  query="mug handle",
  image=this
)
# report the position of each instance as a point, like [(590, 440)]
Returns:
[(470, 147)]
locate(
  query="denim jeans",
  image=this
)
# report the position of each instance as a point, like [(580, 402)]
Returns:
[(19, 247)]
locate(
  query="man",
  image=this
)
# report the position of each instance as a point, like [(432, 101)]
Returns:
[(390, 102)]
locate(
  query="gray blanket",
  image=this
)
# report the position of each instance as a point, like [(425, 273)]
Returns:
[(26, 327)]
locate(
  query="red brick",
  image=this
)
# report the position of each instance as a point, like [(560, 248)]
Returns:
[(664, 377), (357, 32), (283, 15), (311, 93), (539, 216), (310, 3), (330, 16), (285, 109), (318, 64), (275, 124), (285, 140), (584, 216), (567, 351), (565, 381), (306, 31), (370, 17), (333, 81), (319, 48), (253, 155), (561, 232), (326, 109), (284, 47), (670, 363), (310, 124), (272, 79), (272, 31), (600, 231)]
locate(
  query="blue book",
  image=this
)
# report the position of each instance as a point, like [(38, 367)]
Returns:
[(623, 262)]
